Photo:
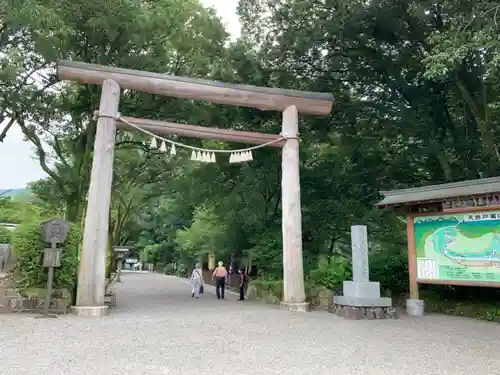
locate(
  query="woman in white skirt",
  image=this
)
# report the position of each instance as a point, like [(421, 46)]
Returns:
[(196, 280)]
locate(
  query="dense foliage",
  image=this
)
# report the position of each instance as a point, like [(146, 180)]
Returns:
[(28, 245), (416, 103), (5, 235)]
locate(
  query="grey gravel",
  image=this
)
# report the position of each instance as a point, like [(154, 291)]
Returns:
[(157, 328)]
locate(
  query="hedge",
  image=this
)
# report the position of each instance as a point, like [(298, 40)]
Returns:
[(5, 235), (28, 248)]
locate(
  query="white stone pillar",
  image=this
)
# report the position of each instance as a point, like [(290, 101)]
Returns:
[(293, 270), (359, 244), (92, 268)]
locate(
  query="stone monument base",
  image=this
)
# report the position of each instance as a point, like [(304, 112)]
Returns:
[(360, 312), (295, 306), (89, 311), (363, 307), (415, 307)]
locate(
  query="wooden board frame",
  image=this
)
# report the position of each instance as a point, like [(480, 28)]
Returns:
[(412, 252)]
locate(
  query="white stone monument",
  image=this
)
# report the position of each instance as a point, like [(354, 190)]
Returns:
[(7, 259), (361, 292)]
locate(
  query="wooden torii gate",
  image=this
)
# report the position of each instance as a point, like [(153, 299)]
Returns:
[(91, 273)]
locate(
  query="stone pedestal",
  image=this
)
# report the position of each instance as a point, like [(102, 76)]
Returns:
[(415, 307), (297, 307), (359, 312), (89, 311), (361, 300)]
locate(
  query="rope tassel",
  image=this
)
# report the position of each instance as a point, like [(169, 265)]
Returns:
[(172, 150)]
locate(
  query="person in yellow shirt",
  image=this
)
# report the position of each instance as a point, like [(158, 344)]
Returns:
[(220, 275)]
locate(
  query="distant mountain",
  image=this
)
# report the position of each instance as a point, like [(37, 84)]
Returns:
[(13, 192)]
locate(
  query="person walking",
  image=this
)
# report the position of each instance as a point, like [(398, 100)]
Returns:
[(197, 281), (242, 284), (220, 274)]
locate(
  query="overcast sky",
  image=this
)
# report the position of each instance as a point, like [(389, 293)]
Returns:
[(18, 164)]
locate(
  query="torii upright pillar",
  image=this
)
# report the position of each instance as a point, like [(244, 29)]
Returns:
[(92, 269), (294, 297)]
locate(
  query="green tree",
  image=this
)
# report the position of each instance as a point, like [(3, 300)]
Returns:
[(161, 37)]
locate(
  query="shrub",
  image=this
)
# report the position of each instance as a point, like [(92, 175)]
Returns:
[(159, 267), (330, 273), (390, 268), (268, 254), (169, 269), (182, 271), (264, 288), (28, 248), (5, 235)]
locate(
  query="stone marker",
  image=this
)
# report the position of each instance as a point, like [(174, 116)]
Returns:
[(359, 244), (361, 293), (6, 258), (120, 253)]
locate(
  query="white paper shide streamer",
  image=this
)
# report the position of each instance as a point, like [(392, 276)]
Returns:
[(200, 155), (204, 157), (239, 157), (163, 146)]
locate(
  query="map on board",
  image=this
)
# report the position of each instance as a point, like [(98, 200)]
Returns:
[(458, 247)]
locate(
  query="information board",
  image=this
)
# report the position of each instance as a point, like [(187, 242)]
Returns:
[(461, 247)]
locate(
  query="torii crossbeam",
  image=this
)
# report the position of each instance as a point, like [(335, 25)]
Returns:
[(91, 273)]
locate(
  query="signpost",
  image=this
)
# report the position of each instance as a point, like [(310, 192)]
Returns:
[(53, 232)]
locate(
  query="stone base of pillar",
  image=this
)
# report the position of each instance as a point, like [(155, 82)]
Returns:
[(89, 311), (360, 312), (415, 307), (294, 306)]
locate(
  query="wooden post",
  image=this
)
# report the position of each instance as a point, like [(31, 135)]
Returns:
[(92, 269), (50, 280), (293, 273), (412, 257)]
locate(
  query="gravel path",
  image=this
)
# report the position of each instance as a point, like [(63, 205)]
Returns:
[(158, 328)]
